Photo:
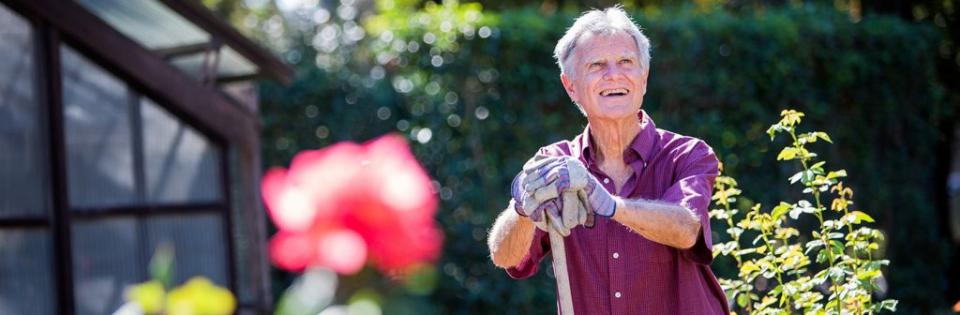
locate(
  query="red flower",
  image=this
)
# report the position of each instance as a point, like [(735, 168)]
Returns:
[(336, 204)]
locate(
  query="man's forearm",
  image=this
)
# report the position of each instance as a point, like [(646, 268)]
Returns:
[(510, 238), (664, 223)]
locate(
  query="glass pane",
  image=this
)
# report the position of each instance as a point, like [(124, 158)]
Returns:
[(191, 64), (106, 259), (26, 284), (230, 64), (148, 22), (23, 160), (100, 167), (181, 164), (233, 64), (248, 311), (198, 242)]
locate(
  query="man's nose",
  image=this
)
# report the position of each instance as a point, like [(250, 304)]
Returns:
[(613, 71)]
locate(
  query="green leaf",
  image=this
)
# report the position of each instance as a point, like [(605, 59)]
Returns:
[(820, 277), (787, 154), (822, 256), (818, 166), (748, 269), (161, 265), (743, 300), (836, 174), (772, 131), (862, 216), (824, 136), (149, 295), (796, 177), (735, 231), (814, 244), (836, 248), (767, 301), (790, 117), (780, 209), (890, 305), (309, 294), (868, 274)]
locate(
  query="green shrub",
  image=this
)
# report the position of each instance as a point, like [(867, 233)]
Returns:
[(491, 101), (776, 274)]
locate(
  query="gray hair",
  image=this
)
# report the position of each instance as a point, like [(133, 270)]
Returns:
[(607, 22)]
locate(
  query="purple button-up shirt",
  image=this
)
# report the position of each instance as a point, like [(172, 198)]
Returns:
[(614, 270)]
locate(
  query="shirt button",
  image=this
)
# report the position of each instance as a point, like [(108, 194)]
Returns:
[(606, 180), (616, 255), (617, 295)]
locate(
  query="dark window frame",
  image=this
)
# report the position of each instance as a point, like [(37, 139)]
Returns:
[(47, 40)]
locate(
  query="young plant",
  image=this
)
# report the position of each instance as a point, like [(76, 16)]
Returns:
[(198, 296), (829, 269)]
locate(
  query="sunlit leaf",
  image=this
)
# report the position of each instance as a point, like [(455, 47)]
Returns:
[(787, 154)]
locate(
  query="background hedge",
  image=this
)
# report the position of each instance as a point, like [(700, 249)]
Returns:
[(723, 77)]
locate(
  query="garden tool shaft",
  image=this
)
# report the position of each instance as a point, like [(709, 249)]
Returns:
[(559, 254)]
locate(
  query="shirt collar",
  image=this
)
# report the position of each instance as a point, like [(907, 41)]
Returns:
[(638, 154)]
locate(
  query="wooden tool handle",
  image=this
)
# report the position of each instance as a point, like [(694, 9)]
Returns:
[(559, 253)]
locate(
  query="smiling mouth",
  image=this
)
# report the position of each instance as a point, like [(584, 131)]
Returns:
[(614, 92)]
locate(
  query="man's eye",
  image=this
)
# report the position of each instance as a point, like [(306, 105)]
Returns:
[(626, 61)]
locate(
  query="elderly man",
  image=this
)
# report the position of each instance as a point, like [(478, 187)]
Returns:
[(630, 200)]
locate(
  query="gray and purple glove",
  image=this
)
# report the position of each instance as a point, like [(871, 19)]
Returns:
[(563, 208), (569, 174)]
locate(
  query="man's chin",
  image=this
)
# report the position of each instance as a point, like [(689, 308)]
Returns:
[(616, 111)]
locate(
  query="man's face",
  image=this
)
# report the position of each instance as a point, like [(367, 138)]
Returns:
[(607, 79)]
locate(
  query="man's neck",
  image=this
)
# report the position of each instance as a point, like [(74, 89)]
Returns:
[(611, 138)]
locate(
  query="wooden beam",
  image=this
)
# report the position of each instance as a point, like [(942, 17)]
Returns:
[(24, 222), (190, 49), (237, 78), (48, 53)]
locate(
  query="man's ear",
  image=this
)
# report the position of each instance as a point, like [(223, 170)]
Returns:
[(568, 86), (646, 77)]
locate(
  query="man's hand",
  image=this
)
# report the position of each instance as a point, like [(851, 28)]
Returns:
[(563, 208), (568, 174)]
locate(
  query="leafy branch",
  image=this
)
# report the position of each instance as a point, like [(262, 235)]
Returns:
[(785, 270)]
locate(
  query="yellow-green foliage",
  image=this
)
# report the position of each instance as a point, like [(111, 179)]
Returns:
[(830, 269), (198, 296)]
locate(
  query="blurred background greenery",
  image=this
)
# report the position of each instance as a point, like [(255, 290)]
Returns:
[(476, 91)]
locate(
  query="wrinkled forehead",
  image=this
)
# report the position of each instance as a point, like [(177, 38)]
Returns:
[(614, 43)]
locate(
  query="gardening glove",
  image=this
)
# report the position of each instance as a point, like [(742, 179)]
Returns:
[(571, 175), (574, 211), (528, 202), (552, 178), (564, 213)]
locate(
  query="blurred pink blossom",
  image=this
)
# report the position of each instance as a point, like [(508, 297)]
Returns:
[(337, 206)]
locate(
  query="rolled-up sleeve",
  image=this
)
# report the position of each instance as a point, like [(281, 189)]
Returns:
[(539, 247), (697, 168)]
